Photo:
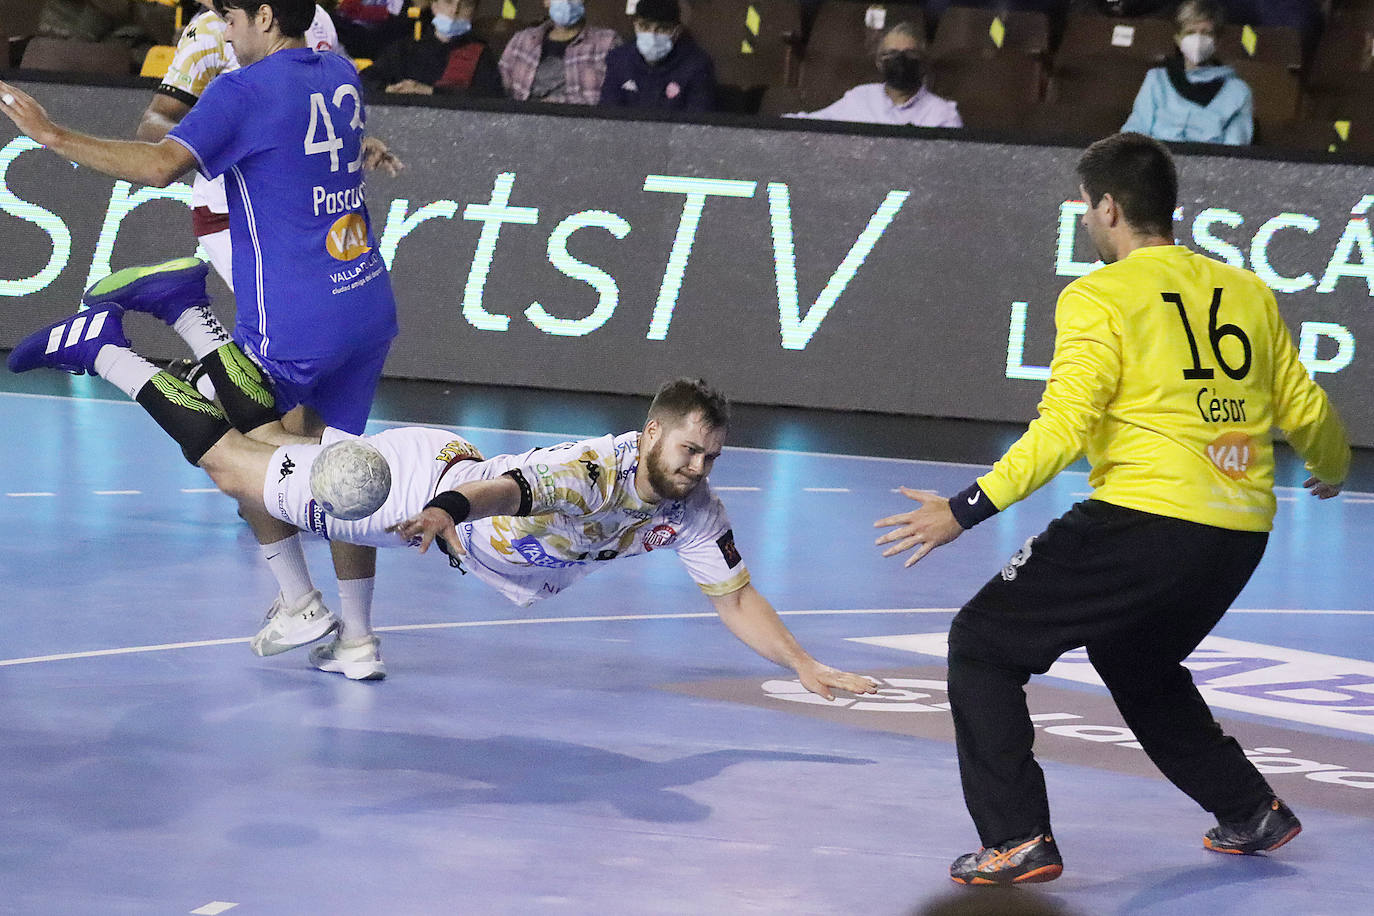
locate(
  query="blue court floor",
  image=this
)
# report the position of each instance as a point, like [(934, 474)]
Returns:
[(612, 750)]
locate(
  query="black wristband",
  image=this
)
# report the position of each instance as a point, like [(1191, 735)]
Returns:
[(526, 494), (971, 506), (452, 502)]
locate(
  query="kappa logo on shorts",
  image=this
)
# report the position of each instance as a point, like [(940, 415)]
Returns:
[(593, 470), (287, 466), (315, 519), (726, 543), (659, 536), (1018, 559)]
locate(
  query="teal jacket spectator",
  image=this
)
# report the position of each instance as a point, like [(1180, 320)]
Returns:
[(1203, 105)]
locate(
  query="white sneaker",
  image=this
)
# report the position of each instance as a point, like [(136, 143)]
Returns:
[(355, 659), (287, 627)]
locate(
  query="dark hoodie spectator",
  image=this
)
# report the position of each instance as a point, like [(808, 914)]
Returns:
[(664, 70)]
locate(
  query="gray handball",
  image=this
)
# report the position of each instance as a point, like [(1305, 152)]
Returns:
[(350, 479)]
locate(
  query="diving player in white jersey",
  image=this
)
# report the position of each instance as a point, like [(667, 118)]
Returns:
[(530, 525)]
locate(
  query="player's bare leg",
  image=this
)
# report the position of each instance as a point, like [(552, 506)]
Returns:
[(355, 651)]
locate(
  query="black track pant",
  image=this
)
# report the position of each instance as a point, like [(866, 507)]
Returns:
[(1139, 591)]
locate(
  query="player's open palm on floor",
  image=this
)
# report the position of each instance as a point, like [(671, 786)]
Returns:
[(822, 680)]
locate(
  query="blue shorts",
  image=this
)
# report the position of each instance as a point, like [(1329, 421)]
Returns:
[(339, 387)]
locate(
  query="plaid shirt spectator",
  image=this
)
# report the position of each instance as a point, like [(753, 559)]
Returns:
[(584, 63)]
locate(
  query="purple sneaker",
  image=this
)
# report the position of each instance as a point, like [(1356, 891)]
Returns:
[(72, 343), (164, 290)]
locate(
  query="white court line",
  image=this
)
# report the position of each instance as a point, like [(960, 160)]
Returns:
[(825, 489), (117, 492), (30, 494), (458, 624), (600, 618), (213, 908)]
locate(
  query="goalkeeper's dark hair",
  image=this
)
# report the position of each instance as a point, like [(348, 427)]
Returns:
[(679, 399), (293, 16), (1139, 174)]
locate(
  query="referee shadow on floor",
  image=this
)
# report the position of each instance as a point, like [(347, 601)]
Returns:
[(516, 770), (1166, 890)]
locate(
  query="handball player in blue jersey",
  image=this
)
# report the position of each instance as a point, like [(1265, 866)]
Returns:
[(314, 303)]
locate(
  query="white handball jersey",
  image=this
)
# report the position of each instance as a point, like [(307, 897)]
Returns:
[(583, 506), (584, 510), (201, 55)]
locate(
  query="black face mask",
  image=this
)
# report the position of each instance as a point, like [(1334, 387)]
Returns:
[(901, 71)]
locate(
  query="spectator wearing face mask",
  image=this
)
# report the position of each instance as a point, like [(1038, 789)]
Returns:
[(901, 98), (446, 59), (664, 70), (1194, 97), (561, 60)]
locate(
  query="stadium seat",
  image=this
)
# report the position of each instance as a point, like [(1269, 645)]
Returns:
[(20, 18), (76, 56), (753, 44), (1352, 98), (1079, 123), (1105, 38), (1265, 44), (780, 100), (1343, 51), (611, 14), (1308, 135), (968, 32), (1361, 137), (1098, 82), (839, 52), (158, 59), (1275, 90), (1008, 78)]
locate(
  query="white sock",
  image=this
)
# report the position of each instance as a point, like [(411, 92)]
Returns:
[(286, 559), (355, 607), (124, 369), (201, 330)]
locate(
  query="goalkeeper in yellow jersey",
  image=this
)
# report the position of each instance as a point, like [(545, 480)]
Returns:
[(1170, 370)]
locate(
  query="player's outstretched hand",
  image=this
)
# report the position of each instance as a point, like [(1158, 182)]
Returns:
[(922, 529), (426, 526), (820, 679), (376, 155), (1322, 490), (25, 112)]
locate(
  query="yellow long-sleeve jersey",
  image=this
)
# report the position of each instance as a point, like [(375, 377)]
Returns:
[(1170, 372)]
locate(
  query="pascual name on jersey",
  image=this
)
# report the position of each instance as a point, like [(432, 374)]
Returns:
[(337, 201)]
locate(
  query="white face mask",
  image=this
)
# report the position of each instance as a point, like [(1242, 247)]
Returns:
[(1197, 47)]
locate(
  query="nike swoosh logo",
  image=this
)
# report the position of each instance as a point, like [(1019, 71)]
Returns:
[(974, 498)]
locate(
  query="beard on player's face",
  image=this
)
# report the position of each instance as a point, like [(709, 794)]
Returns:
[(668, 478)]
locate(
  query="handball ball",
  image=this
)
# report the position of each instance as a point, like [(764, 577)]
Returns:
[(350, 479)]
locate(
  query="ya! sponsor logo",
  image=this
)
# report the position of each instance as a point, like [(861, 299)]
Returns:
[(347, 238)]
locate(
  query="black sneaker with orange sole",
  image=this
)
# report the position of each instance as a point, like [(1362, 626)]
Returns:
[(1026, 861), (1267, 829)]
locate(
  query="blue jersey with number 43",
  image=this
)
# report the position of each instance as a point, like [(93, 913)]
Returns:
[(287, 133)]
